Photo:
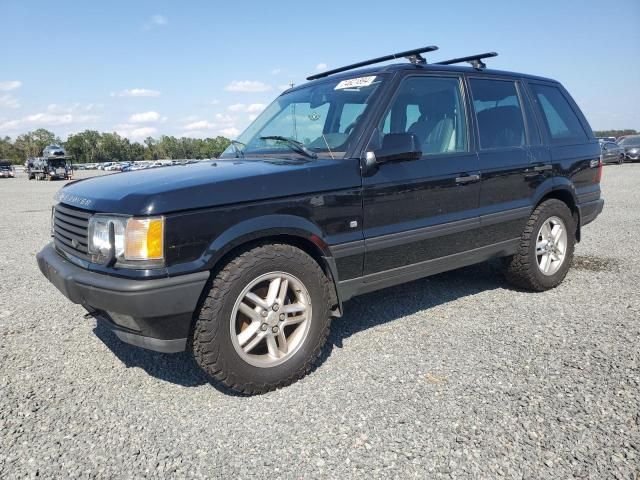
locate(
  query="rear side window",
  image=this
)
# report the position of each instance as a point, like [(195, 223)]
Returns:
[(561, 121), (499, 113)]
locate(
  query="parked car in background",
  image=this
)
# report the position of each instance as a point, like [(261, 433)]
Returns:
[(6, 170), (607, 139), (631, 145), (611, 153)]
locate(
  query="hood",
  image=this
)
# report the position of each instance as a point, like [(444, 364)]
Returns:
[(208, 184)]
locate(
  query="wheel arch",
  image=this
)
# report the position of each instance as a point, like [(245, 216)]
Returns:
[(288, 229), (566, 195)]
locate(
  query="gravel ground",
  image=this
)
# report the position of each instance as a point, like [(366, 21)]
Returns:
[(455, 376)]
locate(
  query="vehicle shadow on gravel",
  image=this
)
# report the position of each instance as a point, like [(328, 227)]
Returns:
[(362, 313), (386, 305)]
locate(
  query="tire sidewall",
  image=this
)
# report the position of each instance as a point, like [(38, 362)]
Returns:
[(305, 270), (560, 210)]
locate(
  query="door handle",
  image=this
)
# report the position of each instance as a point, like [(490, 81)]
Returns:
[(542, 168), (467, 179)]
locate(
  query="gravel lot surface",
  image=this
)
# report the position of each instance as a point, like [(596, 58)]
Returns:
[(455, 376)]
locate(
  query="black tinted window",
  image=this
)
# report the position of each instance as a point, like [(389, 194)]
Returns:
[(499, 113), (561, 121), (432, 109)]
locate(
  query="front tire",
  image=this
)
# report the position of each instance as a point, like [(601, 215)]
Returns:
[(264, 320), (546, 248)]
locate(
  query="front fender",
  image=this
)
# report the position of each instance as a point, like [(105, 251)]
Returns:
[(263, 227)]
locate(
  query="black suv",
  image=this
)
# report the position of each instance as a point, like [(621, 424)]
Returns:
[(355, 181)]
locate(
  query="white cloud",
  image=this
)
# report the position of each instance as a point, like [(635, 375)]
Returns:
[(251, 86), (9, 101), (214, 102), (251, 108), (159, 20), (9, 125), (252, 117), (230, 132), (155, 21), (48, 119), (200, 125), (276, 71), (284, 87), (145, 117), (73, 108), (10, 85), (136, 92), (321, 66), (134, 131)]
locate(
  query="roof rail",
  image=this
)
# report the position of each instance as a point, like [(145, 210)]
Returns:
[(474, 60), (413, 56)]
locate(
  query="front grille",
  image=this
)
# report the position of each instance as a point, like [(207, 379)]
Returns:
[(70, 226)]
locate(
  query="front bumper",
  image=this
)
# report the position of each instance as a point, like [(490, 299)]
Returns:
[(154, 314)]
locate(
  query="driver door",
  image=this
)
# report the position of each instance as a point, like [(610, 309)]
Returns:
[(422, 210)]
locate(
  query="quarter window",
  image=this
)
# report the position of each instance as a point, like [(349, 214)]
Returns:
[(561, 121), (499, 113), (432, 109)]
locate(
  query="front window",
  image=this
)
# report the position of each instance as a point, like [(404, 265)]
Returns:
[(318, 119), (630, 142)]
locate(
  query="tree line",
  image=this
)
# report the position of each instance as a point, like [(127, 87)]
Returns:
[(92, 146), (615, 133)]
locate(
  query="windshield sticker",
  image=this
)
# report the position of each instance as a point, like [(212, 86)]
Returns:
[(355, 83), (313, 116)]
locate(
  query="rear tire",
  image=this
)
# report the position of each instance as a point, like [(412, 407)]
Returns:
[(251, 341), (546, 248)]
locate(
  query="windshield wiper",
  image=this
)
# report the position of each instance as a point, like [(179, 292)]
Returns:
[(238, 147), (295, 145)]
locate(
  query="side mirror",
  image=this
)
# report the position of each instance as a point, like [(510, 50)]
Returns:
[(397, 147)]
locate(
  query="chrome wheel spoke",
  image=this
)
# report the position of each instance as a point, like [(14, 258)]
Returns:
[(282, 342), (272, 346), (545, 262), (294, 320), (246, 334), (254, 343), (556, 232), (282, 293), (294, 308), (255, 299), (274, 288), (249, 312)]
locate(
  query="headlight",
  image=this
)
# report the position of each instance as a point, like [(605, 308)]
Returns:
[(134, 241)]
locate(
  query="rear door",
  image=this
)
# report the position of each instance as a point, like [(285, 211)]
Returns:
[(420, 210), (574, 150), (511, 167)]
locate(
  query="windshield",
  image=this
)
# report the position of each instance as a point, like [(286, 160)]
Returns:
[(318, 119), (630, 142), (57, 163)]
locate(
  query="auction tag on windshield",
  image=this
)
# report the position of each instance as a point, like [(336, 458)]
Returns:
[(355, 83)]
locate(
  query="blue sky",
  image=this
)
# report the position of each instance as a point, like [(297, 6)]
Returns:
[(203, 68)]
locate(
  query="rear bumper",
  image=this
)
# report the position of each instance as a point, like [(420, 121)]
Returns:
[(590, 210), (154, 314)]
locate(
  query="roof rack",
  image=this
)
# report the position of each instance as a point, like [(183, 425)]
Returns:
[(474, 60), (413, 56)]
